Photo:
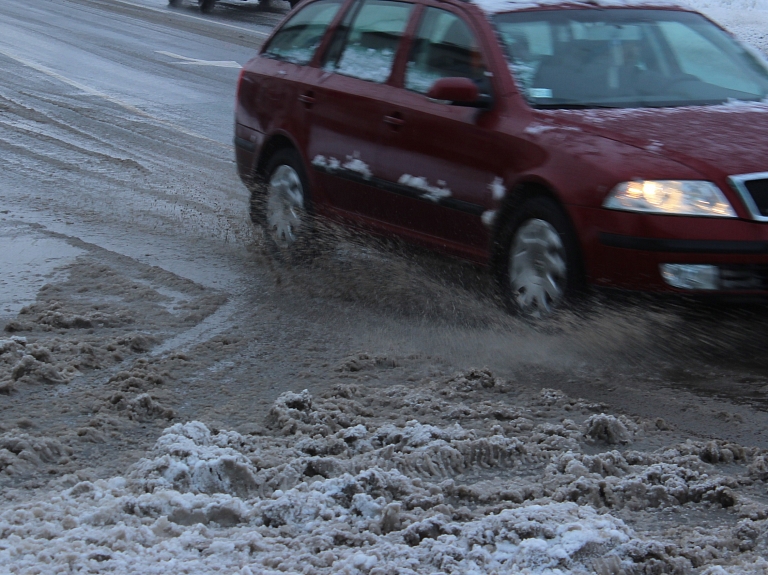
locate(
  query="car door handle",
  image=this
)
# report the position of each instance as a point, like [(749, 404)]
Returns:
[(308, 99), (394, 120)]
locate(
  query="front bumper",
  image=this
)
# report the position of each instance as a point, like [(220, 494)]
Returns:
[(628, 250)]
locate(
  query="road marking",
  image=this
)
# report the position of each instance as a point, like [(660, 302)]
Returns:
[(94, 92), (206, 20), (195, 62)]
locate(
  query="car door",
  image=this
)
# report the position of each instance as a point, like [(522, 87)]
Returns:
[(270, 87), (443, 162), (346, 101)]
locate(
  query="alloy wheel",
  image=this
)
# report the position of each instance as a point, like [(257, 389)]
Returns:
[(285, 206), (537, 267)]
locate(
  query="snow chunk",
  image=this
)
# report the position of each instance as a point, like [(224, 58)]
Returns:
[(355, 164), (434, 193), (536, 129), (607, 428), (497, 188), (327, 163), (187, 457), (488, 217), (12, 344)]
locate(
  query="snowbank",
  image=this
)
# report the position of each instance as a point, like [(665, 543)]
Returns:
[(553, 486)]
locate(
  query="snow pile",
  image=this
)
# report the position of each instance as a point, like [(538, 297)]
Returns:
[(736, 5), (191, 459), (59, 360), (34, 363), (608, 429), (50, 315), (495, 6), (21, 453), (335, 484), (344, 525)]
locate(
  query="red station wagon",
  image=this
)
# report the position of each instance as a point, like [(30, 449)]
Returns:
[(560, 144)]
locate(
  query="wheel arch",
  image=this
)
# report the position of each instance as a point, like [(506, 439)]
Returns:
[(516, 195), (274, 144)]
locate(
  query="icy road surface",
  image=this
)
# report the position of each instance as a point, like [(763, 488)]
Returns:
[(172, 402)]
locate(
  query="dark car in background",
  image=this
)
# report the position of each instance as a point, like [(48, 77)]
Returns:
[(208, 5), (561, 145)]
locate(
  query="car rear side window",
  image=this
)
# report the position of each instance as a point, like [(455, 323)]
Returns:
[(300, 36), (445, 47), (370, 43)]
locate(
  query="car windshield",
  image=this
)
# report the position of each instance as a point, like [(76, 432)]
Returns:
[(593, 58)]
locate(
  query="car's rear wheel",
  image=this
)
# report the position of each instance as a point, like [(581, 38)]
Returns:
[(539, 266), (206, 5), (282, 206)]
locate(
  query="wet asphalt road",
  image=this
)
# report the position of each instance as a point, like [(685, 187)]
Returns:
[(115, 136)]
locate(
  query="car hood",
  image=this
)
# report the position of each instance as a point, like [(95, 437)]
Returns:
[(716, 141)]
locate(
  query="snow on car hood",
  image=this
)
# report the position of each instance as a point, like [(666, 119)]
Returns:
[(714, 140)]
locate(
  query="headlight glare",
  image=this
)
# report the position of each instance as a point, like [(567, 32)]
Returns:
[(686, 197)]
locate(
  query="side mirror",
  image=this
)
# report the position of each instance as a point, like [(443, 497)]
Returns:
[(459, 92)]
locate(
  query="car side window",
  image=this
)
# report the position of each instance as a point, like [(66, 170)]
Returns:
[(444, 47), (370, 43), (300, 36)]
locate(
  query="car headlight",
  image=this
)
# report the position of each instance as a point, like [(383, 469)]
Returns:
[(688, 197)]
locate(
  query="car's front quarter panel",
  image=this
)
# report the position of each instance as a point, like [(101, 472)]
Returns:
[(625, 249), (583, 166)]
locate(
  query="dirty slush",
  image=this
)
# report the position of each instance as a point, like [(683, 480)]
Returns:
[(139, 436), (395, 465)]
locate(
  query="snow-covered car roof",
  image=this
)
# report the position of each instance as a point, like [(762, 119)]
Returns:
[(497, 6)]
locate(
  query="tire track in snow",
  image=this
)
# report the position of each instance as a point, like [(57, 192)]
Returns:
[(112, 99)]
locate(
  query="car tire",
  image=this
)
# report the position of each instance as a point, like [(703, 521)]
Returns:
[(206, 5), (174, 2), (539, 266), (281, 205)]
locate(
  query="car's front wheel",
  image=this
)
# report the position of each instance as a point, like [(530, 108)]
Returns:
[(539, 265), (206, 5)]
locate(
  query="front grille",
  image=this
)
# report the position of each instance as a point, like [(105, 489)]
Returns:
[(753, 189), (758, 189), (744, 277)]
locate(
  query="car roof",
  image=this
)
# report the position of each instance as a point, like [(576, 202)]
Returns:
[(497, 6)]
